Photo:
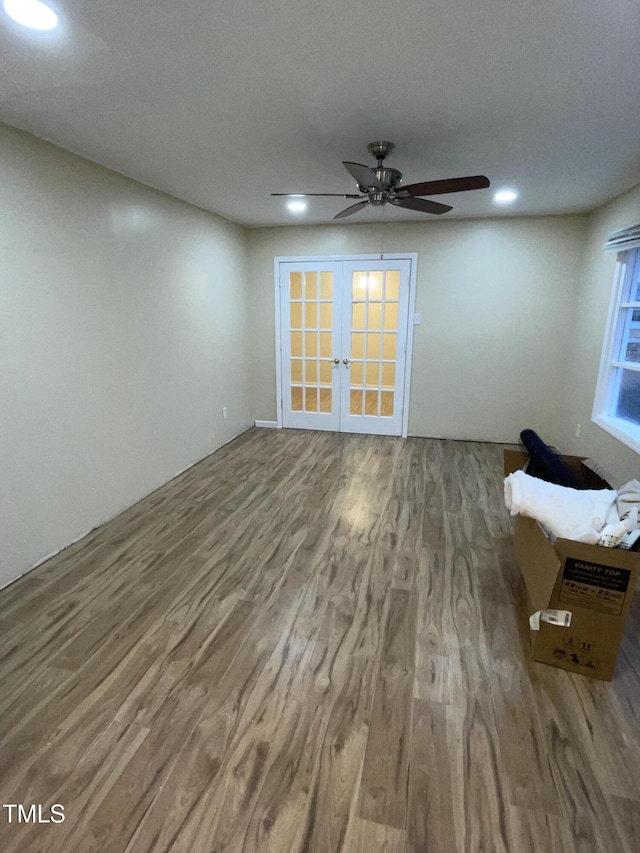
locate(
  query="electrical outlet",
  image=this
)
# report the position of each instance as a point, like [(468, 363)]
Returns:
[(224, 411), (577, 430)]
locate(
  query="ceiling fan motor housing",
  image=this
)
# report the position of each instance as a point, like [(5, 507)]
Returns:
[(389, 178)]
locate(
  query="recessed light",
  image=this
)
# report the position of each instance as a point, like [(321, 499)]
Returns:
[(296, 206), (31, 13), (505, 196)]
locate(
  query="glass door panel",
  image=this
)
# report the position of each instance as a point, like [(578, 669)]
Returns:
[(375, 325), (310, 338)]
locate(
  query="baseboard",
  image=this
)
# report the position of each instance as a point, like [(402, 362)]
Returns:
[(123, 509), (501, 441), (267, 424)]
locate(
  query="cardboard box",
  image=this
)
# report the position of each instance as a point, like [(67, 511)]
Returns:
[(594, 584)]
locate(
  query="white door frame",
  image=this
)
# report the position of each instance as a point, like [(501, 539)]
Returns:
[(388, 256)]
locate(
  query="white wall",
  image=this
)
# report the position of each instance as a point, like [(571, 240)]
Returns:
[(123, 333), (494, 296), (591, 311)]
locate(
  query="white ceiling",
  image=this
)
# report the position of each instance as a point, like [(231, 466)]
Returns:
[(221, 102)]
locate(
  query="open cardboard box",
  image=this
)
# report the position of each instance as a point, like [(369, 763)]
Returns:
[(594, 584)]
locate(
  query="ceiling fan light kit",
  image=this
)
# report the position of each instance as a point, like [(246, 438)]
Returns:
[(383, 185)]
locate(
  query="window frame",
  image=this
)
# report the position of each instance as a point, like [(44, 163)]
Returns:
[(611, 366)]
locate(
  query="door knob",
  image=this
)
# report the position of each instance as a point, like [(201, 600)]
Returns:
[(336, 361), (345, 361)]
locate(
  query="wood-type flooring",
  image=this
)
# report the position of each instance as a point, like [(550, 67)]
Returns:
[(308, 643)]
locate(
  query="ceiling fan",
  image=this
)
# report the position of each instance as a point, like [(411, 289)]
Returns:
[(383, 184)]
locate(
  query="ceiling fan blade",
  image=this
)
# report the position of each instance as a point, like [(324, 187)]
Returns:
[(333, 195), (424, 205), (353, 209), (449, 185), (365, 177)]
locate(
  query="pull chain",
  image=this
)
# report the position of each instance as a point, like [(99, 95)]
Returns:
[(382, 234)]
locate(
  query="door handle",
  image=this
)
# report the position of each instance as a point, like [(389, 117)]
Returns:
[(345, 361), (336, 361)]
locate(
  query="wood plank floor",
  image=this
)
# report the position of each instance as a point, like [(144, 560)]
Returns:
[(308, 643)]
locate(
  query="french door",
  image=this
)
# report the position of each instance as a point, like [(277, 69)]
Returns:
[(343, 341)]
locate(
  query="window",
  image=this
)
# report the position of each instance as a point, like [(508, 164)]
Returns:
[(617, 403)]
